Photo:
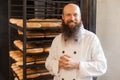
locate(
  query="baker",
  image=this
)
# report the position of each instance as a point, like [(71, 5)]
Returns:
[(76, 53)]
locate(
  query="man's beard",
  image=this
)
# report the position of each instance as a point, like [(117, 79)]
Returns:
[(70, 32)]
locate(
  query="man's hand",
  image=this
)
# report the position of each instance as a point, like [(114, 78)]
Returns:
[(66, 62)]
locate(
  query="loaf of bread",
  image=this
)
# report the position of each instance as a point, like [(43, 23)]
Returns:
[(51, 35), (50, 24), (31, 73), (15, 20), (46, 49), (53, 22), (37, 23), (33, 25), (38, 34), (32, 35), (19, 22), (18, 56), (19, 44)]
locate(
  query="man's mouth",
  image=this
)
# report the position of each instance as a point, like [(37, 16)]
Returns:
[(72, 24)]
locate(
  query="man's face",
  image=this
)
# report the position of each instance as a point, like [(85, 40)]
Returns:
[(71, 16), (71, 21)]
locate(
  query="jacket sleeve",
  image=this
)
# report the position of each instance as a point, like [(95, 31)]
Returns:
[(52, 59), (97, 65)]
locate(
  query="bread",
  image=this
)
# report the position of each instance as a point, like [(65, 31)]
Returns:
[(19, 44), (19, 22), (32, 35), (18, 56), (31, 73), (15, 20), (37, 23), (35, 50), (46, 49), (48, 22)]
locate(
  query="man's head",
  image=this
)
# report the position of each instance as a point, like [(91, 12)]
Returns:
[(71, 15), (71, 20)]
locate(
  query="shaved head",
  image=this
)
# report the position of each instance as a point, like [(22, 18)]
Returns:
[(70, 7)]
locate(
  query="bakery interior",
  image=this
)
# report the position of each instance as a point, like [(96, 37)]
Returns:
[(27, 28)]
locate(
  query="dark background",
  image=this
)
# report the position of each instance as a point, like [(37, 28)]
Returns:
[(4, 59)]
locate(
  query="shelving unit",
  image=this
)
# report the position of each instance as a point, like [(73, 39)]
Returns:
[(32, 26)]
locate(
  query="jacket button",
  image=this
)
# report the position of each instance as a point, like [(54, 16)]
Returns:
[(65, 40), (76, 39), (63, 51), (62, 78), (75, 52)]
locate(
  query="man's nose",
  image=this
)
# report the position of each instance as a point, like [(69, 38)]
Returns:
[(72, 17)]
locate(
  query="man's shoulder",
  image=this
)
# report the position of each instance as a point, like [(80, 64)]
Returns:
[(58, 36), (89, 33)]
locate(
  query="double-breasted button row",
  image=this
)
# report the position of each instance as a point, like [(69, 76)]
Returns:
[(73, 52), (74, 40), (63, 79), (63, 51)]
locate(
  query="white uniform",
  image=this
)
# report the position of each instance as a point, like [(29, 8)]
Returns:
[(86, 49)]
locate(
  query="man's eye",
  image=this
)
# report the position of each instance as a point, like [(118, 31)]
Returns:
[(75, 14), (68, 15)]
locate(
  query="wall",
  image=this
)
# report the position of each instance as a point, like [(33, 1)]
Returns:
[(108, 30)]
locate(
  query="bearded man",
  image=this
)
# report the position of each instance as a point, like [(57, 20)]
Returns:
[(75, 54)]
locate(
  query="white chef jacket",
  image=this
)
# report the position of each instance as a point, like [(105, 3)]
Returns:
[(86, 49)]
